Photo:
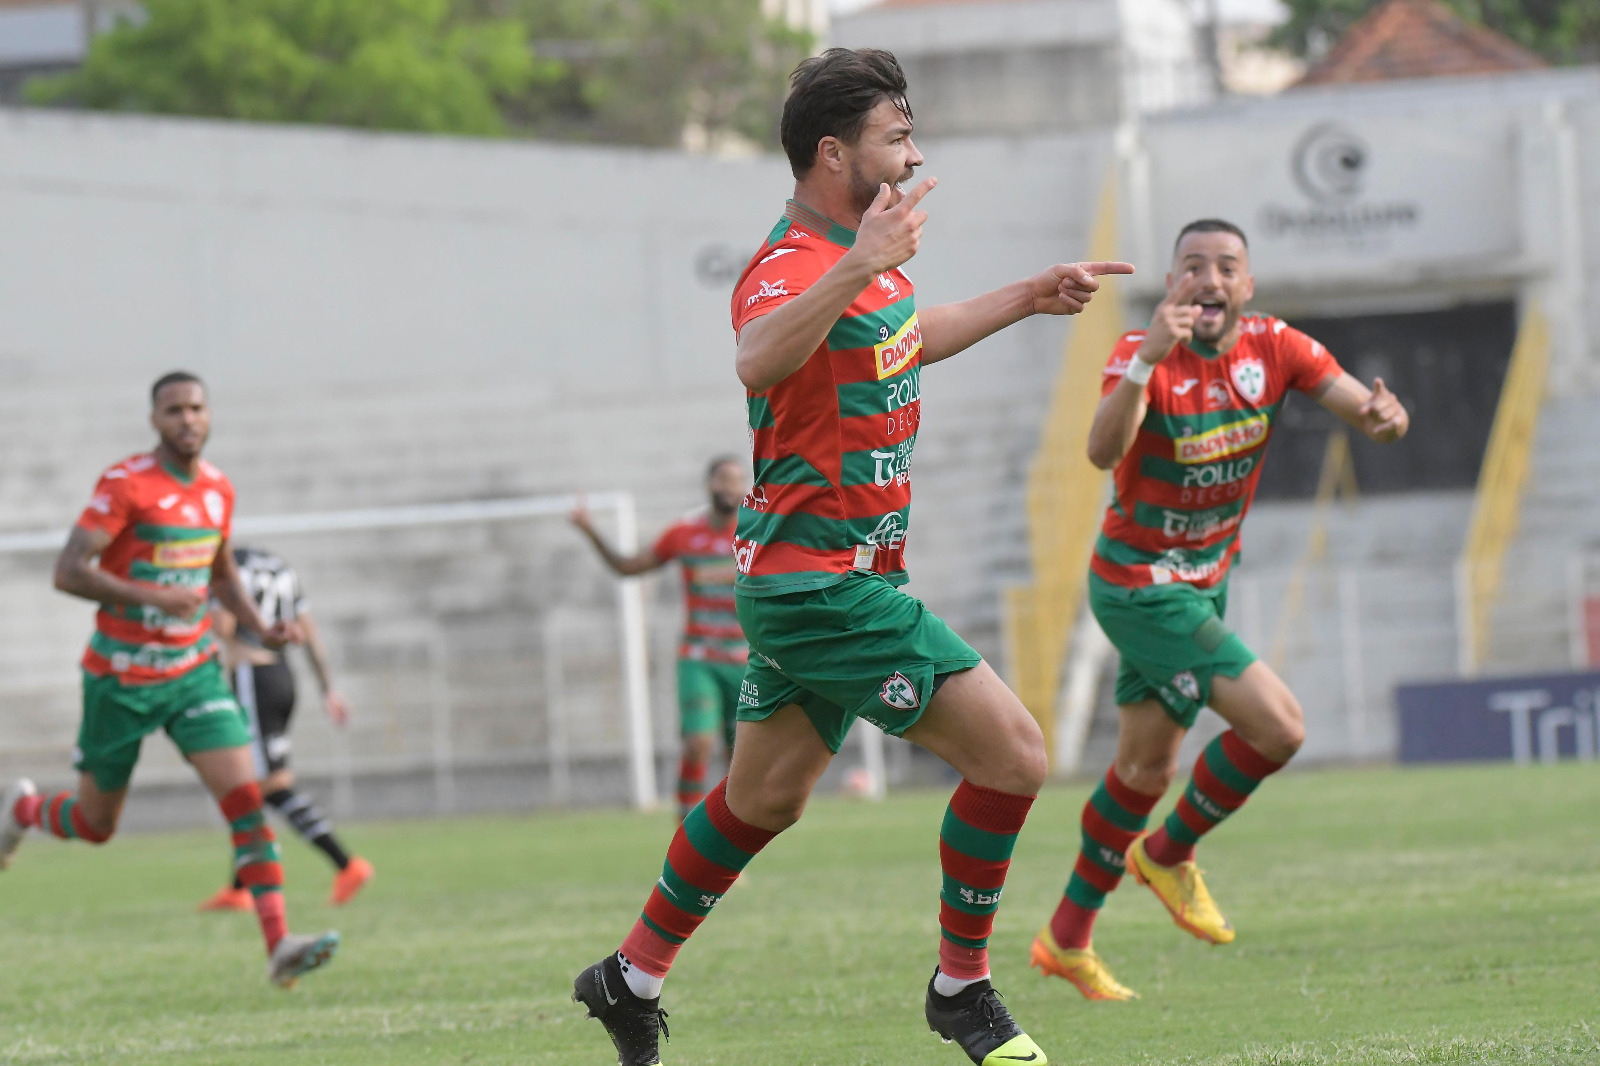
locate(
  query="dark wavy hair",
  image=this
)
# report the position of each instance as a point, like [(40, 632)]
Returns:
[(830, 95)]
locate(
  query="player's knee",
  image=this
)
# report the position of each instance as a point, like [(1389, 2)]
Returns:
[(1286, 733), (93, 829), (1147, 777), (777, 810)]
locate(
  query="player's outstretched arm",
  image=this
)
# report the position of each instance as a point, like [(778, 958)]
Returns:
[(778, 343), (1117, 419), (1376, 412), (78, 574), (1064, 289), (228, 588), (640, 562)]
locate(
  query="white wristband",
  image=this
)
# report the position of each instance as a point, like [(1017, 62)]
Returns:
[(1139, 371)]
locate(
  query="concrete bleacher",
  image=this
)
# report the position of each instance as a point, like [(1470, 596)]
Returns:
[(1532, 622)]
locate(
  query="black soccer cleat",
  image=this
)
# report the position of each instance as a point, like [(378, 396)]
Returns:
[(633, 1024), (977, 1020)]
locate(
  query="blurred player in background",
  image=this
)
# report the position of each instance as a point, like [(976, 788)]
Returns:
[(159, 524), (830, 348), (712, 656), (264, 684), (1188, 406)]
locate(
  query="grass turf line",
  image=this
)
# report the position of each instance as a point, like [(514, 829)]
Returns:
[(1385, 917)]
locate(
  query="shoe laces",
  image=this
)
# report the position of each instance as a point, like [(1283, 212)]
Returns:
[(661, 1020), (990, 1007)]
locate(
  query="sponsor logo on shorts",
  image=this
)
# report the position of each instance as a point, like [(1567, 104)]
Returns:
[(894, 351), (1219, 443), (898, 692), (186, 554), (1186, 684), (750, 692), (212, 707)]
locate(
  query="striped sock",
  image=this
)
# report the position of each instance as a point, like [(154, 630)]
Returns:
[(1113, 817), (59, 816), (308, 820), (1224, 776), (255, 859), (691, 784), (980, 829), (707, 853)]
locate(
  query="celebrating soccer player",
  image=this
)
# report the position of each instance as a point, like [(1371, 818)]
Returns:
[(160, 524), (712, 655), (1187, 408), (264, 684), (831, 348)]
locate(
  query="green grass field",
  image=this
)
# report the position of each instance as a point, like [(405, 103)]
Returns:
[(1384, 916)]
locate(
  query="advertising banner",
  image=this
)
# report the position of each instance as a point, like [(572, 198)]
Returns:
[(1543, 716)]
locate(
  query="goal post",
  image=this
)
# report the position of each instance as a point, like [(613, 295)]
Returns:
[(633, 638)]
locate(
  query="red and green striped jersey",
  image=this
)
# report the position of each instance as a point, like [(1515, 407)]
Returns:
[(832, 442), (1185, 485), (705, 553), (165, 530)]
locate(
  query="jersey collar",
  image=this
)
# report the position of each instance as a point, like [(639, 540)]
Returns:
[(831, 231)]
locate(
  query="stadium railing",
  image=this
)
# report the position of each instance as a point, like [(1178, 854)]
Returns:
[(1498, 500), (1064, 497)]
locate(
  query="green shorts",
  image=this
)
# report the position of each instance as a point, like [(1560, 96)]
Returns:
[(198, 711), (1172, 641), (857, 649), (708, 697)]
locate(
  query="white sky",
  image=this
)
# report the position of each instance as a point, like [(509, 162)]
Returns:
[(1232, 10)]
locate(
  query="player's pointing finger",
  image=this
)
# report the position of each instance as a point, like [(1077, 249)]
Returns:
[(1102, 269), (915, 195)]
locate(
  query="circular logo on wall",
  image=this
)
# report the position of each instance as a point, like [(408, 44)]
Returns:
[(1330, 163)]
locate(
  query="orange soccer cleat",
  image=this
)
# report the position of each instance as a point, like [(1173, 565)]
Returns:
[(229, 899), (350, 880)]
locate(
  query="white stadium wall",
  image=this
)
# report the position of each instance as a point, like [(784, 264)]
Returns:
[(393, 319)]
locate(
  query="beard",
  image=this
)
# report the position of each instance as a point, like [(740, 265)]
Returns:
[(863, 190)]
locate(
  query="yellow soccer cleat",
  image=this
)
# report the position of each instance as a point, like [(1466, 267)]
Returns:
[(1082, 967), (1182, 891)]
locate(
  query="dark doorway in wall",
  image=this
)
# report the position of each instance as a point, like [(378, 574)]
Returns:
[(1446, 366)]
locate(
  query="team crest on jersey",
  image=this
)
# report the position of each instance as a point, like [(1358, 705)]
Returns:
[(214, 506), (898, 692), (1250, 378)]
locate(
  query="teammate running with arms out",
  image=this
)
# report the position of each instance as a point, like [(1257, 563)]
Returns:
[(160, 525), (830, 348), (264, 684), (1187, 410), (712, 656)]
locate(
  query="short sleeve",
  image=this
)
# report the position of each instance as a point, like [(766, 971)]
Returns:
[(1117, 365), (110, 509), (227, 510), (1306, 364), (669, 545), (784, 272)]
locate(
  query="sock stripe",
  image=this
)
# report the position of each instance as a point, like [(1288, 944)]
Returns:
[(978, 843), (695, 869), (686, 897), (1217, 761), (1250, 762), (1085, 895), (1224, 797), (60, 813), (1101, 879), (1114, 813), (746, 838), (969, 899), (990, 809), (969, 871), (1103, 834), (968, 930), (1137, 802), (671, 922)]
